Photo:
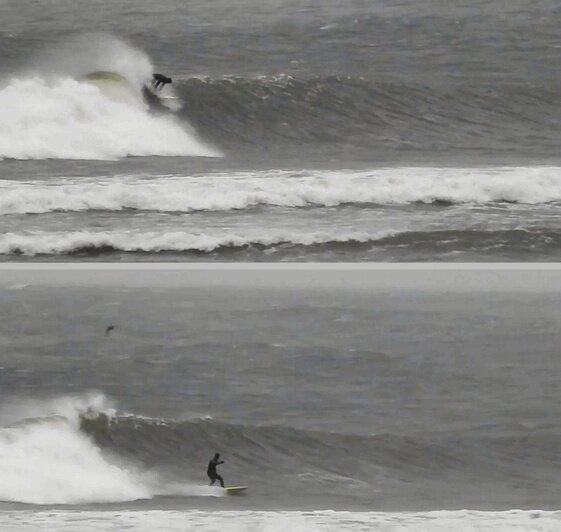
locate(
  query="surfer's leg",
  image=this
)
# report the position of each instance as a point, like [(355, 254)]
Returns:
[(221, 480)]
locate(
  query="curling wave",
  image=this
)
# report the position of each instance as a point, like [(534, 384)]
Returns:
[(47, 113)]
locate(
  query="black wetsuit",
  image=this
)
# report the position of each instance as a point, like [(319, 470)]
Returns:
[(159, 80), (211, 471)]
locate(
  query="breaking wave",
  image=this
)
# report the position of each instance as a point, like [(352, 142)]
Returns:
[(284, 245), (47, 114), (78, 449), (242, 190), (45, 457), (90, 242)]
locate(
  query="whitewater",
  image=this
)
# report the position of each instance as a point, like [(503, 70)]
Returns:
[(49, 112), (46, 459), (463, 520), (387, 213)]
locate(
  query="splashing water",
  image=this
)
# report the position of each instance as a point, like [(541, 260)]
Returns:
[(47, 113)]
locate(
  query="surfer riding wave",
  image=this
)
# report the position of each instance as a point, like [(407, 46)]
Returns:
[(211, 470), (159, 80)]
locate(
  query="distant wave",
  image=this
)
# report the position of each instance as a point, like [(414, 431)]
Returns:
[(89, 242), (241, 190), (519, 242)]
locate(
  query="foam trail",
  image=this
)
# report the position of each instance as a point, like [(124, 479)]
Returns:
[(91, 52), (190, 490)]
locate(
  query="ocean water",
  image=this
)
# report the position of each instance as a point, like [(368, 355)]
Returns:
[(302, 131), (341, 408)]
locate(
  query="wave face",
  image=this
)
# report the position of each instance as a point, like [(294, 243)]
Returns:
[(385, 117)]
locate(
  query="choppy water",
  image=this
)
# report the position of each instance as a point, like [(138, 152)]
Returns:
[(371, 131)]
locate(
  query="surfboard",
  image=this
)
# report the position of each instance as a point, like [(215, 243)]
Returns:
[(111, 84), (235, 490)]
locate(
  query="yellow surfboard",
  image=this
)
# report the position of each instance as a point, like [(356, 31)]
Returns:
[(235, 490)]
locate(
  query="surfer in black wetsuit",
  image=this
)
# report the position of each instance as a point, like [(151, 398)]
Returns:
[(159, 80), (211, 470)]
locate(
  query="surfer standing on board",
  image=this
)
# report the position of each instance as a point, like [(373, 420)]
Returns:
[(211, 470)]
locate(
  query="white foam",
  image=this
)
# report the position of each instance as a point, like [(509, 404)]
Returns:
[(296, 521), (41, 242), (388, 186), (69, 407), (46, 459), (51, 462), (65, 119), (46, 113)]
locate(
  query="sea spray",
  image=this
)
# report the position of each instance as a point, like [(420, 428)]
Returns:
[(67, 119), (48, 111), (45, 459), (93, 51)]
